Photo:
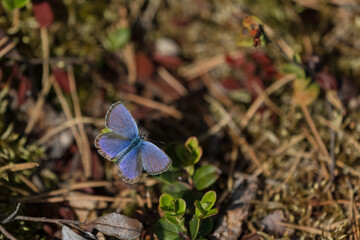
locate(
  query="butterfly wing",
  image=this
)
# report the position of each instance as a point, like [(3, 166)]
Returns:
[(119, 120), (155, 161), (130, 166), (110, 145)]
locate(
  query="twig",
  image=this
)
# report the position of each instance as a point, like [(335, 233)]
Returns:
[(12, 216), (45, 54), (6, 233)]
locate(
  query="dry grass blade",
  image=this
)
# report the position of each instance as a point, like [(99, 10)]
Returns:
[(83, 136), (172, 81), (69, 116), (153, 104), (82, 197), (83, 120), (199, 68), (259, 100), (18, 167), (293, 141), (7, 49), (305, 229), (39, 104), (68, 189), (129, 57)]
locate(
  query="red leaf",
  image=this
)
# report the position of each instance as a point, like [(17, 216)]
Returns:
[(326, 81), (230, 83), (261, 58), (24, 88), (250, 68), (43, 14), (62, 78), (144, 67), (168, 61), (236, 62), (251, 84)]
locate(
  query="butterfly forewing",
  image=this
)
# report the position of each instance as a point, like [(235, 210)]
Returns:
[(119, 120), (155, 161), (130, 166), (110, 145)]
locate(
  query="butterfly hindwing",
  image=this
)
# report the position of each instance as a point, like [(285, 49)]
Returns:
[(110, 145), (130, 166), (155, 161), (119, 120)]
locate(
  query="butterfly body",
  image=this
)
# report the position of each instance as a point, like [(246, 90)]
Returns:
[(135, 143), (127, 148)]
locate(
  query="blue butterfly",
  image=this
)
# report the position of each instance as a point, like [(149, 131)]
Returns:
[(124, 146)]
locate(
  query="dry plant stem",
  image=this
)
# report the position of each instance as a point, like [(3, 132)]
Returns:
[(18, 167), (305, 229), (83, 197), (84, 120), (46, 80), (153, 104), (267, 100), (7, 49), (214, 90), (194, 70), (173, 82), (3, 40), (6, 233), (68, 189), (314, 130), (15, 18), (68, 115), (83, 136), (129, 55), (260, 99), (45, 54), (38, 106)]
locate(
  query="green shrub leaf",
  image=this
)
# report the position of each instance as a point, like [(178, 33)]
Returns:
[(166, 202), (194, 225), (118, 38), (292, 68), (12, 4), (165, 230), (208, 200), (205, 176)]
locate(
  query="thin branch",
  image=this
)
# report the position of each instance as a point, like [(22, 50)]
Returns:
[(7, 234), (12, 216)]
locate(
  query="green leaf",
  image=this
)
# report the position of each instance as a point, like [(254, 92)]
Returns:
[(206, 226), (167, 231), (194, 225), (12, 4), (199, 211), (211, 212), (166, 202), (292, 68), (191, 153), (171, 218), (118, 38), (205, 176), (208, 200), (180, 207)]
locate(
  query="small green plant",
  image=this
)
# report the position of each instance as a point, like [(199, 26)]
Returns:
[(184, 209), (173, 225)]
